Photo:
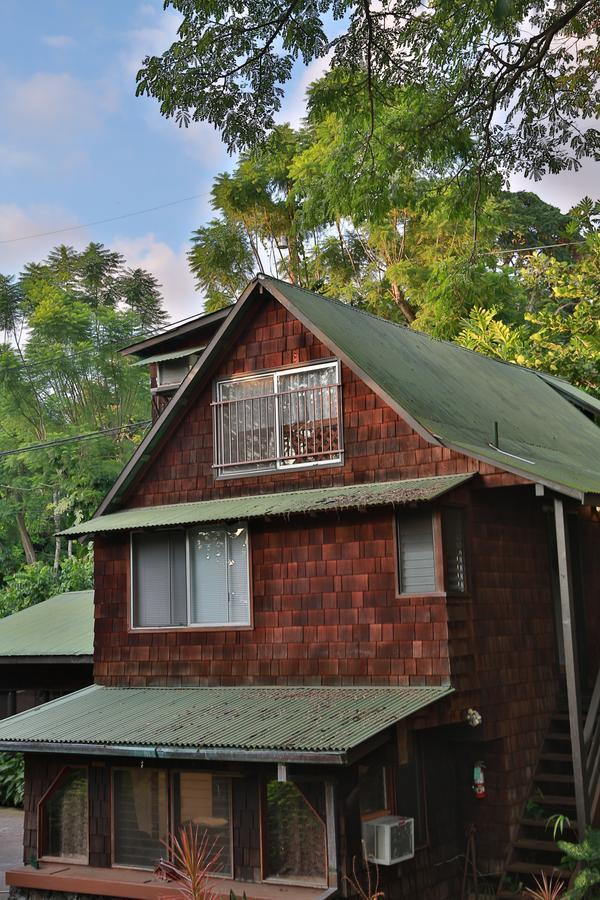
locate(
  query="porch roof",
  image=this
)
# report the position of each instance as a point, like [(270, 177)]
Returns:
[(60, 627), (282, 504), (243, 723)]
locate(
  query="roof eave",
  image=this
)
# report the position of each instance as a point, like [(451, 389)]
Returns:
[(62, 659), (175, 332)]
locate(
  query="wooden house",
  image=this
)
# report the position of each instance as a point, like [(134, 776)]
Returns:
[(346, 591)]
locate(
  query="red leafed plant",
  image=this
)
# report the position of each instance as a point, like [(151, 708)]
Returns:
[(546, 889), (194, 861)]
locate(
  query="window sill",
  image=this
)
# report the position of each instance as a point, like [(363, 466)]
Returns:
[(430, 594), (138, 884), (279, 470), (161, 629)]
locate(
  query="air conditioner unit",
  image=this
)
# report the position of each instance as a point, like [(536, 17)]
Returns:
[(389, 839)]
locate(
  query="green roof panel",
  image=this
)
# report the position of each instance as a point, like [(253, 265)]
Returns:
[(458, 395), (283, 504), (60, 626), (217, 722), (174, 354)]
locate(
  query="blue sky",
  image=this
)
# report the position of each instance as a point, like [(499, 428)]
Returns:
[(77, 146)]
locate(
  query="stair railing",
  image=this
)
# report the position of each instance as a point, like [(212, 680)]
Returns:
[(591, 740)]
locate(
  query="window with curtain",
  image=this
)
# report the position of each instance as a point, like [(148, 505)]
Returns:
[(64, 818), (140, 824), (454, 550), (199, 576), (204, 801), (416, 553), (279, 419)]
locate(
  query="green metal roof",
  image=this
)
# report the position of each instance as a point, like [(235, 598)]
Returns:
[(174, 354), (457, 395), (216, 722), (60, 626), (284, 504)]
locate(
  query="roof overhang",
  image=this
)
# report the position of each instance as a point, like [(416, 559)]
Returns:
[(173, 354), (175, 332), (299, 724), (286, 503)]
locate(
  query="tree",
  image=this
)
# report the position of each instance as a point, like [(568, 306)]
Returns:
[(61, 375), (522, 75)]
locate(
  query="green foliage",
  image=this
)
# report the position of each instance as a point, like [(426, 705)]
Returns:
[(34, 583), (522, 77), (559, 823), (586, 855), (12, 777)]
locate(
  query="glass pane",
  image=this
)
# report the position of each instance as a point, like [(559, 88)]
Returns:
[(247, 423), (208, 560), (205, 802), (65, 814), (296, 843), (159, 579), (416, 553), (219, 564), (139, 817), (372, 790), (308, 415)]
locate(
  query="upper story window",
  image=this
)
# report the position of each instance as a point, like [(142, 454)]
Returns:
[(420, 533), (278, 419), (193, 577)]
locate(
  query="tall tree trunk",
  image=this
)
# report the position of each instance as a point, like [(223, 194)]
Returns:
[(57, 538), (403, 304), (26, 541)]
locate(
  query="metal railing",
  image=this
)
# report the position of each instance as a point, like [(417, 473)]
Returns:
[(296, 427)]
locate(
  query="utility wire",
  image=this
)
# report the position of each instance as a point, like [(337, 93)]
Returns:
[(129, 215), (92, 435), (528, 249)]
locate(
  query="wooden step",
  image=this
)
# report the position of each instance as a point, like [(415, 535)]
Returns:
[(524, 868), (557, 757), (558, 736), (554, 776), (528, 844)]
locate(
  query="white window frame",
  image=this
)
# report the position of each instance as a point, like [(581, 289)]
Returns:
[(188, 580), (278, 465)]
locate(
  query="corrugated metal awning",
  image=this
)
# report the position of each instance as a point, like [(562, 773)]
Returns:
[(319, 724), (174, 354), (285, 503)]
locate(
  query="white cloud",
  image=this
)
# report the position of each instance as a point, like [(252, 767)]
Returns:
[(293, 108), (169, 266), (58, 41), (155, 35)]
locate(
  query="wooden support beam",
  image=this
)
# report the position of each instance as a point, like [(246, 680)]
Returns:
[(331, 828), (567, 605)]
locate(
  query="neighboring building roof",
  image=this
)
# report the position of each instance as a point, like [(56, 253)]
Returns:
[(452, 396), (176, 332), (174, 354), (320, 724), (62, 626), (282, 504)]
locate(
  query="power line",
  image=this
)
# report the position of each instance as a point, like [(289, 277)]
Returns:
[(528, 249), (134, 426), (129, 215)]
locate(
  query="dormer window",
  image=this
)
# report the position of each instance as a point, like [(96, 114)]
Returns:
[(278, 420), (171, 372)]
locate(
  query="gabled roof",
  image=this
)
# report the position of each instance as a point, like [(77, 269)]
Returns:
[(62, 626), (492, 411), (318, 724), (285, 503)]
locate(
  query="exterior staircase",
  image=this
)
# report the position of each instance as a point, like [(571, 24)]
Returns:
[(534, 849)]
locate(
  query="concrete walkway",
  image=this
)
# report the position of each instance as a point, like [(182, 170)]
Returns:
[(11, 842)]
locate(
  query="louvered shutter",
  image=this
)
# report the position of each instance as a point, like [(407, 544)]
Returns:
[(416, 553), (159, 581), (454, 551)]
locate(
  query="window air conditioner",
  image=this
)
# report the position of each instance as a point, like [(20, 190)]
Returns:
[(389, 839)]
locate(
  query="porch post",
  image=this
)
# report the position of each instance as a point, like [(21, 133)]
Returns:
[(567, 606), (331, 829)]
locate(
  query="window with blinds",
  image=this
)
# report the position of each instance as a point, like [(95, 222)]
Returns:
[(195, 577), (140, 825), (64, 818), (204, 801), (416, 553), (454, 550)]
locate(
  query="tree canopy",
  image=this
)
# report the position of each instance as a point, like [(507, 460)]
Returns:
[(520, 75)]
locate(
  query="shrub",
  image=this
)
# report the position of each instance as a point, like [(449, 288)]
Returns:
[(37, 582), (11, 779)]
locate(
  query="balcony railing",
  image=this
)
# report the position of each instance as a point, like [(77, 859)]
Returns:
[(277, 430)]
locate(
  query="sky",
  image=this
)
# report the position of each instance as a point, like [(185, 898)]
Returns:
[(78, 147)]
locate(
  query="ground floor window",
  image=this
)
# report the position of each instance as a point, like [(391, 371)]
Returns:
[(373, 791), (296, 844), (64, 817), (148, 804)]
